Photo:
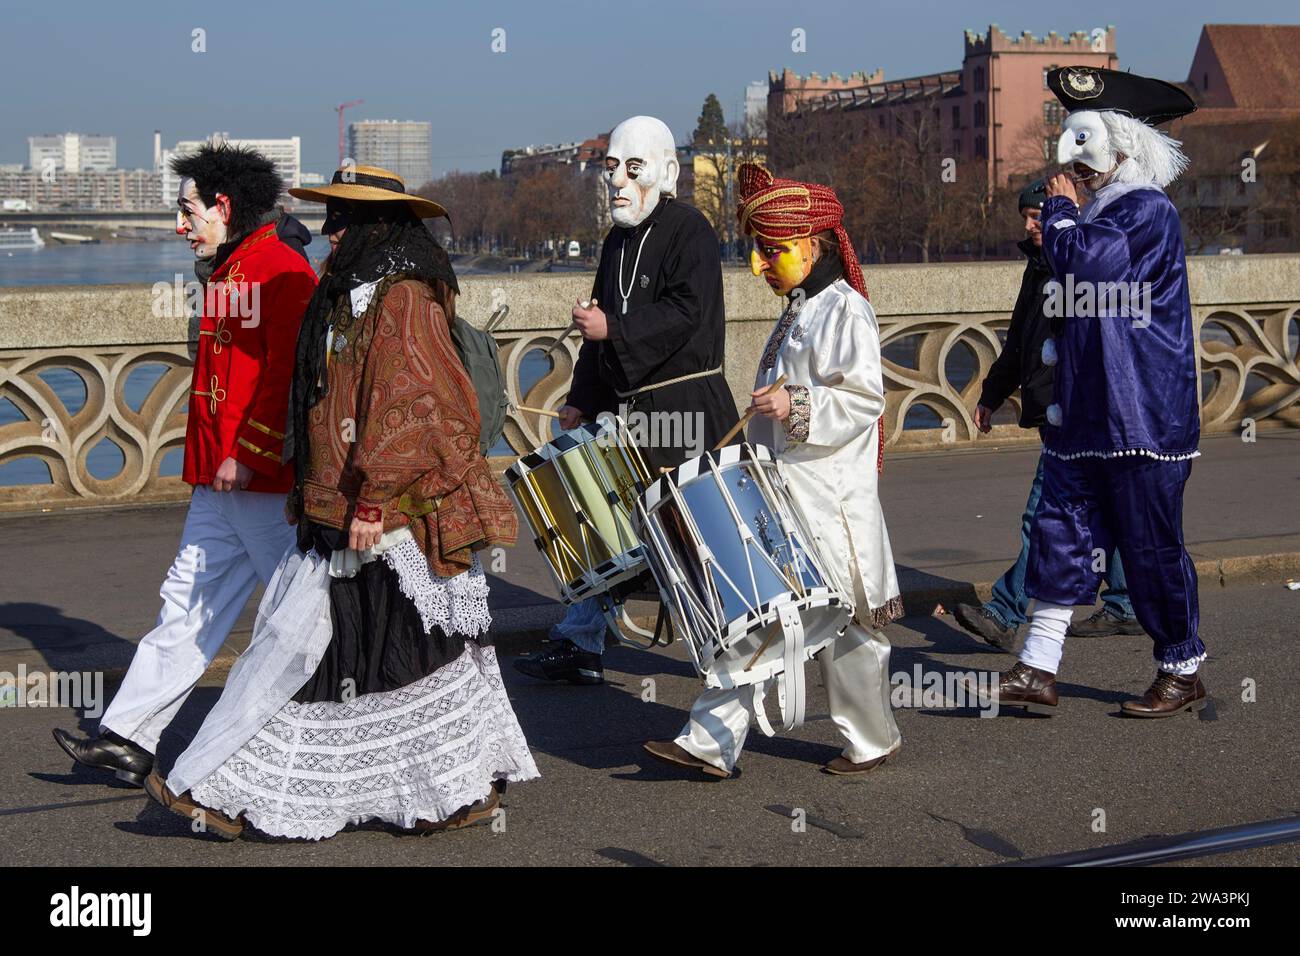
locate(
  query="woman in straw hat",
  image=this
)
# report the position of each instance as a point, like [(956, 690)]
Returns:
[(370, 690)]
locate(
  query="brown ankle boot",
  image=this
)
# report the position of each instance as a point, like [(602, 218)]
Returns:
[(1028, 687), (1168, 694)]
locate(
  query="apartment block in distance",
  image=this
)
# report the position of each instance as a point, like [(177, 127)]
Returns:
[(402, 146)]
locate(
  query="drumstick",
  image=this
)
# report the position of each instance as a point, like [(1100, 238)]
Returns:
[(565, 334), (537, 411), (761, 648), (556, 344), (744, 420)]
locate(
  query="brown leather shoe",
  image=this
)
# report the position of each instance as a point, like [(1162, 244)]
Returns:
[(1022, 686), (669, 751), (480, 811), (1168, 694), (213, 822), (841, 766)]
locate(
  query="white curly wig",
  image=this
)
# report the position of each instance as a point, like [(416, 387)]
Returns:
[(1150, 155)]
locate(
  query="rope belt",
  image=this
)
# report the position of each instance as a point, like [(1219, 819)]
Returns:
[(671, 381)]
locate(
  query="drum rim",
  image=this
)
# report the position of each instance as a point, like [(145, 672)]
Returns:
[(624, 572), (721, 645), (691, 470), (551, 450)]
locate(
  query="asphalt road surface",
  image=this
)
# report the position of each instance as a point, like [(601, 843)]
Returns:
[(965, 790)]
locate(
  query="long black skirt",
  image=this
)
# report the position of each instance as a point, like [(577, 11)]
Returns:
[(379, 642)]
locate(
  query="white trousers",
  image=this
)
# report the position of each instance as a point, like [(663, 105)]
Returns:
[(231, 540), (855, 670)]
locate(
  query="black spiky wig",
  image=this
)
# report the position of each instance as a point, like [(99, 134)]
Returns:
[(245, 176)]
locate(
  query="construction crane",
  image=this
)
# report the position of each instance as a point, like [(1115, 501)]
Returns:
[(343, 148)]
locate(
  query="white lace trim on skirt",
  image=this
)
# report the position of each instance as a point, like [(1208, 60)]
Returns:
[(417, 753)]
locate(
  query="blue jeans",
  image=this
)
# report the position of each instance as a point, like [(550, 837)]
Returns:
[(1010, 604), (584, 625)]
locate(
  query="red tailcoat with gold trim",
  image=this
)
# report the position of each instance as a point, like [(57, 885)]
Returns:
[(252, 307)]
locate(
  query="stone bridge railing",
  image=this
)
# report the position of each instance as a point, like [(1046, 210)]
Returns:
[(940, 329)]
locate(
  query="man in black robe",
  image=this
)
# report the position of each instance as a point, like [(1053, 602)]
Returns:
[(654, 337)]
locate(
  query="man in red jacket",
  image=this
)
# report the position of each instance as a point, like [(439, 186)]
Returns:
[(257, 283)]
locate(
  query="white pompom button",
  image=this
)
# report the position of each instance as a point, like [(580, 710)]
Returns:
[(1049, 352), (1054, 416)]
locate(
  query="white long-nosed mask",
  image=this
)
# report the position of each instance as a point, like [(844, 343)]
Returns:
[(1086, 140), (1117, 148), (640, 166)]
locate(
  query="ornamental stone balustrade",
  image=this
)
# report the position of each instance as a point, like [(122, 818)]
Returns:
[(941, 328)]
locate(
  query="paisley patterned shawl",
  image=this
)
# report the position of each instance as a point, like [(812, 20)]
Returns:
[(397, 429)]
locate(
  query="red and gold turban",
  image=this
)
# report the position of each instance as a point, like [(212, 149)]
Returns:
[(783, 209)]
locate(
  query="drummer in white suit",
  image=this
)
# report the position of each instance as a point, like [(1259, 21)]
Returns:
[(825, 426)]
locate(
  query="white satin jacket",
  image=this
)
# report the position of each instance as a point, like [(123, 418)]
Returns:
[(830, 354)]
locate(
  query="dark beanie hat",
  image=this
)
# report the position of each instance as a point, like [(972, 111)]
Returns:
[(1034, 195)]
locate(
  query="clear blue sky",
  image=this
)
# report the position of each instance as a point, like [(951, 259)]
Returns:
[(570, 69)]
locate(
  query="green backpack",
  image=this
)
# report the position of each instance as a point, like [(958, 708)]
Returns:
[(478, 353)]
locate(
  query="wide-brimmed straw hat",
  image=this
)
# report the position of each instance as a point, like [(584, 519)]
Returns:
[(369, 184)]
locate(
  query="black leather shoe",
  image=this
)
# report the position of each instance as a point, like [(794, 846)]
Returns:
[(564, 662), (129, 762), (1103, 624), (981, 622)]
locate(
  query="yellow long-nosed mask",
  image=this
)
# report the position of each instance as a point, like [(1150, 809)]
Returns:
[(782, 265)]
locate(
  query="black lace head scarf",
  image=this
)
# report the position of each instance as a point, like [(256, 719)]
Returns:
[(382, 239)]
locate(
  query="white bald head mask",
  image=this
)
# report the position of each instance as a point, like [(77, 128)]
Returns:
[(640, 166)]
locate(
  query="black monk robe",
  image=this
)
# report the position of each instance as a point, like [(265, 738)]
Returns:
[(674, 325)]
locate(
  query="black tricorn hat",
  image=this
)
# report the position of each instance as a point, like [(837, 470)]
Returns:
[(1093, 88)]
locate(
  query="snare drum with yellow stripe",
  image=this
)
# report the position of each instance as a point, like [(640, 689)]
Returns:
[(577, 494)]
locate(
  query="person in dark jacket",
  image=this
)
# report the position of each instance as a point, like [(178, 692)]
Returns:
[(1027, 362), (293, 234)]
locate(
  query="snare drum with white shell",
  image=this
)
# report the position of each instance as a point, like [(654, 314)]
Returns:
[(741, 572)]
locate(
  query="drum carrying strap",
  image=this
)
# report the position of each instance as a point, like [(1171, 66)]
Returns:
[(790, 687)]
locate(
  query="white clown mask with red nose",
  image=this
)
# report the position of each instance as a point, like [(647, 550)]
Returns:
[(640, 166), (204, 227)]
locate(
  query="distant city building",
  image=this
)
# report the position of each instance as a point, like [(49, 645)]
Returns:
[(402, 146), (755, 106), (72, 153), (111, 190), (286, 154), (589, 154), (311, 179), (586, 159), (1246, 83), (995, 108), (707, 179)]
